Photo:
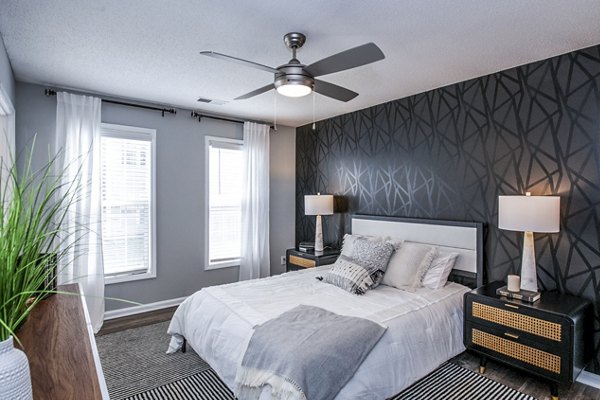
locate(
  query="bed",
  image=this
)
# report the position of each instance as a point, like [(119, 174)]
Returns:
[(424, 326)]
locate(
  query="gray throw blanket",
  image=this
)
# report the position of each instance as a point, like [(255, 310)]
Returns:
[(305, 353)]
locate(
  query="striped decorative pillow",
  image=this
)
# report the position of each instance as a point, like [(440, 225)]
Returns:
[(348, 275), (364, 270)]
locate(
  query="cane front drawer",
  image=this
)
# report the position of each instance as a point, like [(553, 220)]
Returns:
[(302, 262), (544, 360), (505, 314), (527, 354)]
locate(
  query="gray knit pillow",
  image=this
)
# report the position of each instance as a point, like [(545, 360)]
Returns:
[(374, 256)]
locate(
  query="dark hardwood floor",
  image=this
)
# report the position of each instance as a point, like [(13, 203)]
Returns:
[(525, 383), (498, 372), (135, 321)]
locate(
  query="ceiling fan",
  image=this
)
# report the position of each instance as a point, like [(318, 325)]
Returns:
[(295, 79)]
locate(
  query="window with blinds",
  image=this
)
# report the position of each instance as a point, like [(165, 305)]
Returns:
[(127, 195), (224, 187)]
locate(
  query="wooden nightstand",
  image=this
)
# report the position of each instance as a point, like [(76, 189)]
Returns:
[(551, 338), (296, 259)]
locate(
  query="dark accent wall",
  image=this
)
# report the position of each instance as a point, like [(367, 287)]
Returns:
[(450, 152)]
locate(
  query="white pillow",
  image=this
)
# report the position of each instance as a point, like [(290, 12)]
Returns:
[(406, 262), (466, 261), (437, 274)]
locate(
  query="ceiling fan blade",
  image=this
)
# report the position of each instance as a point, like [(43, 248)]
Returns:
[(334, 91), (256, 92), (247, 63), (351, 58)]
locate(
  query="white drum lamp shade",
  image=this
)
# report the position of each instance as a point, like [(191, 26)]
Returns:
[(529, 214), (318, 205)]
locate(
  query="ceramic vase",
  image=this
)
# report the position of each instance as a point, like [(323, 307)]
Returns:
[(15, 380)]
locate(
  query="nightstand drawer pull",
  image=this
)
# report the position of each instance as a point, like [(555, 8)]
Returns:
[(302, 262), (511, 306), (524, 323), (530, 355), (511, 335)]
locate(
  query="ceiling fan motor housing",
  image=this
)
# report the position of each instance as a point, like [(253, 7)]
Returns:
[(293, 74)]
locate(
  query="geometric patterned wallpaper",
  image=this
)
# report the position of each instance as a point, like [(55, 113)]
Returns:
[(450, 152)]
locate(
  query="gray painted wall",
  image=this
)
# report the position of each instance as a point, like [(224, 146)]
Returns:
[(282, 199), (179, 190), (6, 73)]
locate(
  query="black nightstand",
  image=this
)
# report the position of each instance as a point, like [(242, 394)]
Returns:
[(296, 259), (551, 338)]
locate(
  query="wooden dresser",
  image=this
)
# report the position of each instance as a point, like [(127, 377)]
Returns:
[(60, 346), (551, 338)]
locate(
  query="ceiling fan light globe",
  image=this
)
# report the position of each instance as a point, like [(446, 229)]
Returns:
[(294, 90)]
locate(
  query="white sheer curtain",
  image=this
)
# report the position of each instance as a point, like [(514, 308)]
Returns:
[(255, 258), (7, 134), (78, 135)]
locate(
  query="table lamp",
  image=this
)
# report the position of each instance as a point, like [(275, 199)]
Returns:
[(529, 214), (318, 205)]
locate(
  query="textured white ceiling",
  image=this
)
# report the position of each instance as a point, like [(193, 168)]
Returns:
[(148, 50)]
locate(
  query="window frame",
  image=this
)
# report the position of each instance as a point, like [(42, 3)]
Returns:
[(208, 266), (137, 133)]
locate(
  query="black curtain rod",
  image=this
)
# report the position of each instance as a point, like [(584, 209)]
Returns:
[(196, 114), (51, 92)]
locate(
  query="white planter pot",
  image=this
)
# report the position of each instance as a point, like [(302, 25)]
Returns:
[(15, 381)]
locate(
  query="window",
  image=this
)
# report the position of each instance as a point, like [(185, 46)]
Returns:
[(224, 200), (128, 202)]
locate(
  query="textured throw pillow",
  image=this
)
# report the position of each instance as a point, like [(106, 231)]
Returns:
[(374, 256), (364, 271), (407, 261), (349, 240), (437, 275)]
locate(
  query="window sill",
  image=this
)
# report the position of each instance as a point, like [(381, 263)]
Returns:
[(109, 280), (228, 264)]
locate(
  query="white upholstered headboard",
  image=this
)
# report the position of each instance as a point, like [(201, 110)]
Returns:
[(461, 235)]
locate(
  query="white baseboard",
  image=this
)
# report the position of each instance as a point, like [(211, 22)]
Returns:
[(590, 379), (159, 305)]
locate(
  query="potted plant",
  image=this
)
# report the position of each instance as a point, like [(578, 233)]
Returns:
[(33, 239)]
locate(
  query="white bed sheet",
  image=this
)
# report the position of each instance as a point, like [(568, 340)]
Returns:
[(424, 327)]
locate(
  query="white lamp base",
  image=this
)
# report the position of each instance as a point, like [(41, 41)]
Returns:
[(318, 236), (528, 267)]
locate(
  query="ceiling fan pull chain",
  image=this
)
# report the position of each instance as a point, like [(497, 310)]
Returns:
[(314, 124), (275, 110)]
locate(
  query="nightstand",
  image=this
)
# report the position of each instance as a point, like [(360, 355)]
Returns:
[(551, 338), (296, 259)]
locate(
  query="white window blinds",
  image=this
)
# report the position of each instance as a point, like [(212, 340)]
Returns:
[(127, 197), (224, 202)]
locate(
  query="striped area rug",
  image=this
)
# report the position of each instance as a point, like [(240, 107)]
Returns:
[(452, 382), (203, 386), (136, 368), (449, 382)]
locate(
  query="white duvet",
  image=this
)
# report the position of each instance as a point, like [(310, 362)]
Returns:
[(424, 327)]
